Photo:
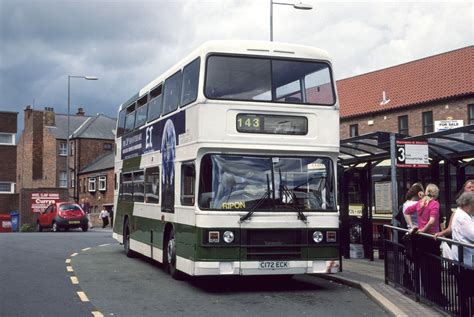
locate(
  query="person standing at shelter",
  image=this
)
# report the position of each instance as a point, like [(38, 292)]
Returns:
[(467, 187), (104, 215), (427, 210), (414, 194)]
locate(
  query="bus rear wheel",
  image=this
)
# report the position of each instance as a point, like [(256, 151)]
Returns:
[(170, 257), (126, 240)]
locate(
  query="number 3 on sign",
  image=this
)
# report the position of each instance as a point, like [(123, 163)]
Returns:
[(401, 154)]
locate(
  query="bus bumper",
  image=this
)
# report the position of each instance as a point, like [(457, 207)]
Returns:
[(255, 267)]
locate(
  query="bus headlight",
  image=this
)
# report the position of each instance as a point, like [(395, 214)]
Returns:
[(317, 236), (228, 236)]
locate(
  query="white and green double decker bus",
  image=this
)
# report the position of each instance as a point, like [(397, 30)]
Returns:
[(226, 163)]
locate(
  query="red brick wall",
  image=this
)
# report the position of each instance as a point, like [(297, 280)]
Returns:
[(456, 109), (8, 122), (98, 198)]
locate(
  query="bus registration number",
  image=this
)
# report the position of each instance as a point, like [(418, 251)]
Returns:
[(273, 265)]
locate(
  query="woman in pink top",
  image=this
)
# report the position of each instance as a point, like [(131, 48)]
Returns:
[(427, 210), (427, 249)]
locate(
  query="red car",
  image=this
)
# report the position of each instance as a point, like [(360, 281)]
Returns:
[(62, 215)]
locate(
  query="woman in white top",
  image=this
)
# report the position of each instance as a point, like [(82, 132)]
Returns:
[(415, 193), (104, 215), (463, 226)]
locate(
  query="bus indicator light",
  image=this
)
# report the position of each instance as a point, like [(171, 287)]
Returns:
[(214, 237)]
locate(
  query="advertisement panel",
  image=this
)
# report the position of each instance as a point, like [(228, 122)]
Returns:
[(39, 201)]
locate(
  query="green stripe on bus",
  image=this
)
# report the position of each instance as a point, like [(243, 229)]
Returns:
[(131, 164)]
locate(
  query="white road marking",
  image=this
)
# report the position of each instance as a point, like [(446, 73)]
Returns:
[(83, 296), (74, 280), (68, 261), (85, 249), (74, 254), (69, 269), (97, 314)]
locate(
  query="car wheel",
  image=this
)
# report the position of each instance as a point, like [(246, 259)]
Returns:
[(66, 229), (170, 257), (126, 240), (85, 228), (38, 227), (55, 227)]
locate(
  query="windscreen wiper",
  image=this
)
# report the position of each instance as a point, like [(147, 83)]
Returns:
[(290, 193), (261, 200)]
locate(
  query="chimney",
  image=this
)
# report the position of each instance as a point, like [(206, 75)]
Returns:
[(28, 112), (49, 117), (80, 111)]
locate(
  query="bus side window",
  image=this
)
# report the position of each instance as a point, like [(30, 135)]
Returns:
[(138, 186), (155, 104), (126, 188), (152, 185), (188, 180), (190, 82), (121, 123), (141, 112), (172, 93)]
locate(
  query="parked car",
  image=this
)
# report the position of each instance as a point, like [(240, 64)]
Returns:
[(62, 215)]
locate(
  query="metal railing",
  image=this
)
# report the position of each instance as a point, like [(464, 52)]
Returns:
[(414, 263)]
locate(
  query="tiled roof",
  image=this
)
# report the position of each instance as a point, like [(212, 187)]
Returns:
[(101, 163), (98, 127), (59, 130), (432, 78)]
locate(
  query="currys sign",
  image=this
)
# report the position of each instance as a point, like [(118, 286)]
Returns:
[(39, 201)]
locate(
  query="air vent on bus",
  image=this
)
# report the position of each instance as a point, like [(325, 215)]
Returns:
[(284, 52), (257, 50)]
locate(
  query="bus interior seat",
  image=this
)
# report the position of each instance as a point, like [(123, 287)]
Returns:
[(293, 99)]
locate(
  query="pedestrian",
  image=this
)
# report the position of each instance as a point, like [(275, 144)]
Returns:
[(413, 195), (467, 187), (463, 226), (104, 215), (463, 231), (428, 249)]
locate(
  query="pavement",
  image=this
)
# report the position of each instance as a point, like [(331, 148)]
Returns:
[(369, 277)]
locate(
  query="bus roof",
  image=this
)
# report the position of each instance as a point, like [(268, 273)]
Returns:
[(263, 48)]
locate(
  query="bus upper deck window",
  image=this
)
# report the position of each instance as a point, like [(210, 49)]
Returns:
[(172, 93), (190, 82)]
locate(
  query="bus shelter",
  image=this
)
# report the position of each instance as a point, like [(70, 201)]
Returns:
[(369, 195)]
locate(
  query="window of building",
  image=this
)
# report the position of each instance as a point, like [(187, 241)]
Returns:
[(102, 183), (427, 118), (73, 180), (71, 147), (188, 179), (7, 139), (403, 125), (108, 146), (63, 148), (470, 115), (152, 185), (354, 130), (62, 179), (7, 187), (92, 187)]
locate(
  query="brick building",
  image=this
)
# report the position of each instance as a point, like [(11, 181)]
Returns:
[(8, 129), (409, 98), (96, 186), (42, 155)]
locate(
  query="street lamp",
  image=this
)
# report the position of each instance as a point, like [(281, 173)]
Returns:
[(298, 6), (68, 109)]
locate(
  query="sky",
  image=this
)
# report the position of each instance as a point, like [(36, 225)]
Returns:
[(127, 44)]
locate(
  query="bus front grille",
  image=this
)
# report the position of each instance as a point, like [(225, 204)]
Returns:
[(271, 244)]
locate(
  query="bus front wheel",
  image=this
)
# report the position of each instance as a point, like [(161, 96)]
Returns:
[(170, 257)]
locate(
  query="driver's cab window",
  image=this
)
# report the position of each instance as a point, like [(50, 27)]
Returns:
[(188, 179)]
